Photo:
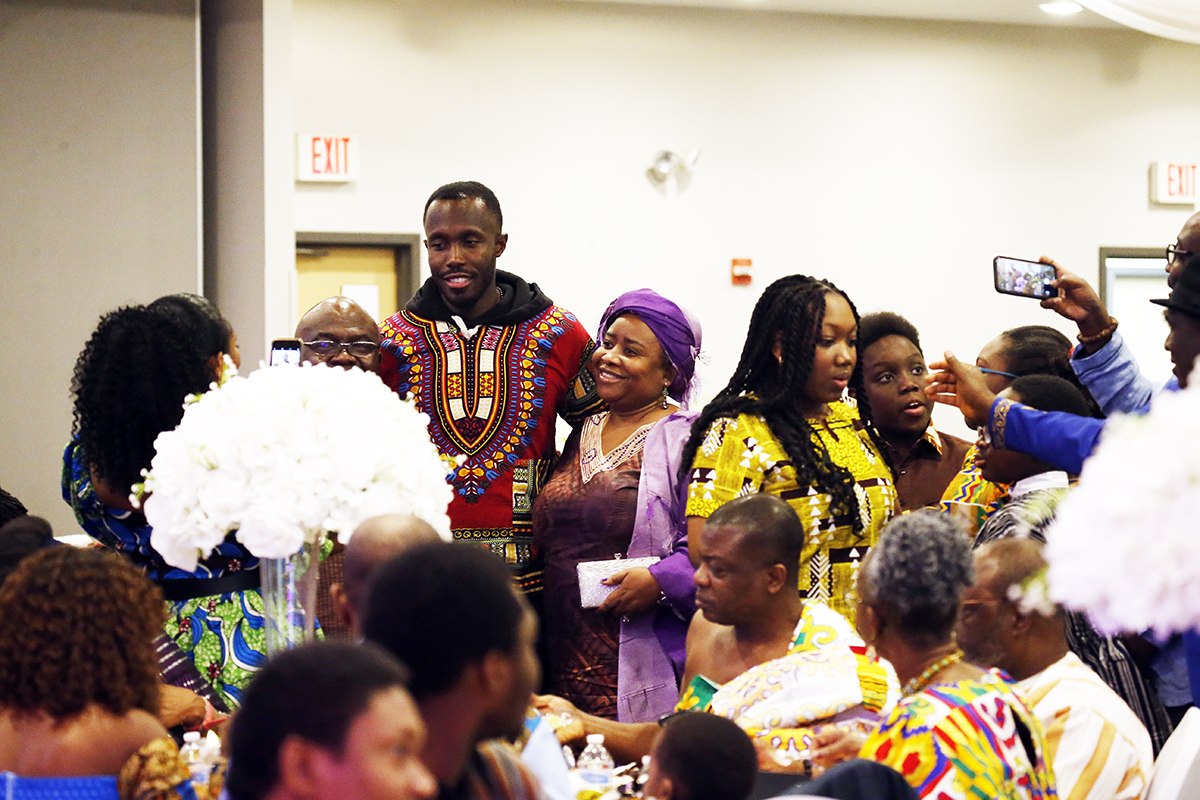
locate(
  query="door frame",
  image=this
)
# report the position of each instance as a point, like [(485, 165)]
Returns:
[(406, 247)]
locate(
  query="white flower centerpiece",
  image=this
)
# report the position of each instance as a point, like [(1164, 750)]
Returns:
[(1123, 546), (280, 459)]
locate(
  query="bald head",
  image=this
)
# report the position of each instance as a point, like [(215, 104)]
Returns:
[(1008, 562), (375, 542), (341, 320), (993, 630)]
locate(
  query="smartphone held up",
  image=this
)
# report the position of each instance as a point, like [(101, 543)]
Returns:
[(1023, 278), (285, 351)]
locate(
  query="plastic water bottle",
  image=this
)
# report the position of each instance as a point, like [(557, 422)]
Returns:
[(193, 755), (594, 765)]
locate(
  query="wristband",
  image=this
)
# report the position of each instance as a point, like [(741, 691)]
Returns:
[(1107, 331)]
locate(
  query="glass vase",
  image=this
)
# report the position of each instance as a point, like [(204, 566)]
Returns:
[(289, 590)]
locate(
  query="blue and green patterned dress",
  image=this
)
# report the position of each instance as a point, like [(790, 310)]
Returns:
[(223, 633)]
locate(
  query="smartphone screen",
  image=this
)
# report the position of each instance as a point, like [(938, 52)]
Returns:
[(1023, 278), (285, 351)]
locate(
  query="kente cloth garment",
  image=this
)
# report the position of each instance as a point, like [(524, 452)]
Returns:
[(495, 772), (969, 495), (224, 635), (492, 388), (154, 772), (923, 474), (1099, 750), (585, 512), (740, 456), (1030, 513), (826, 676), (968, 740), (653, 645)]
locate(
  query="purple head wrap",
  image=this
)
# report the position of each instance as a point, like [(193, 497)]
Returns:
[(677, 331)]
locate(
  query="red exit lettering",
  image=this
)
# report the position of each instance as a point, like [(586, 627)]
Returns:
[(1181, 180), (330, 155)]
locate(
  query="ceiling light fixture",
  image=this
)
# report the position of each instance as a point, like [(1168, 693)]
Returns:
[(1061, 8)]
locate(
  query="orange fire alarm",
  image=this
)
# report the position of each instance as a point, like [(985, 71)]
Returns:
[(741, 271)]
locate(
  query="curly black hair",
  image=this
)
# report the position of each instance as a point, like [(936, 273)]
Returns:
[(791, 312), (77, 629), (200, 318), (878, 324), (132, 378)]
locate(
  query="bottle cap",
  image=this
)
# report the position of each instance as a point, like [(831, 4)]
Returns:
[(595, 738)]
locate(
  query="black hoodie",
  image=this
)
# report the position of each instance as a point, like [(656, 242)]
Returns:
[(518, 302)]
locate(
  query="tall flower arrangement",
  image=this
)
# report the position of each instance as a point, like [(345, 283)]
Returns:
[(283, 457), (1124, 545)]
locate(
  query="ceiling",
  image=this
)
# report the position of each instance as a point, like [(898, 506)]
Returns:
[(1020, 12)]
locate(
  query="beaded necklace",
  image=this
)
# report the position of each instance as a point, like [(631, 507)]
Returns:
[(925, 678)]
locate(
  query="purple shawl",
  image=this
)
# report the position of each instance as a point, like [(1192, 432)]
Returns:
[(651, 654)]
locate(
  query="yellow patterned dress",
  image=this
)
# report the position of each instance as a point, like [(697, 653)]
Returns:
[(964, 741), (740, 456), (826, 676)]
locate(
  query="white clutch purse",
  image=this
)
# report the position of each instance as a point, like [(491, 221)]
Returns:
[(591, 591)]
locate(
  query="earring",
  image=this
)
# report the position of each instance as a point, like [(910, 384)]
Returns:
[(665, 404)]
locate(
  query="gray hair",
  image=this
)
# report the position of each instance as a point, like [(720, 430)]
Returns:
[(916, 574)]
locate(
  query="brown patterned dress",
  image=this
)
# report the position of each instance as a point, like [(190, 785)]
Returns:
[(585, 513)]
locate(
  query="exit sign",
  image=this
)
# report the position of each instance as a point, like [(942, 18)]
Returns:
[(1174, 182), (325, 157)]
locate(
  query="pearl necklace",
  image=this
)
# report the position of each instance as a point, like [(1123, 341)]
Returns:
[(925, 678)]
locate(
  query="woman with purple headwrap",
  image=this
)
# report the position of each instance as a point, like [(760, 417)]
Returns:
[(615, 492)]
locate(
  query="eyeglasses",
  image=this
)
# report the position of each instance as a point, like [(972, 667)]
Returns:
[(1002, 373), (1176, 254), (327, 348)]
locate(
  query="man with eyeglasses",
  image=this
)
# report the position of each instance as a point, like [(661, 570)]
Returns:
[(1097, 746), (337, 331), (1102, 361)]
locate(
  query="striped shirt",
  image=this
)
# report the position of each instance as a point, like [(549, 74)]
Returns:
[(1096, 744)]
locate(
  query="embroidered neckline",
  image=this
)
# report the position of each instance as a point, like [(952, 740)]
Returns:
[(593, 459)]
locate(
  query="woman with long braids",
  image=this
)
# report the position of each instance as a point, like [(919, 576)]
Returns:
[(782, 425)]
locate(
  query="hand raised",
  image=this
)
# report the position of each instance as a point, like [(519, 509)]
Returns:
[(955, 383)]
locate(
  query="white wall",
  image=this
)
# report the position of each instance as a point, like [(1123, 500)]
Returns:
[(100, 203), (895, 158)]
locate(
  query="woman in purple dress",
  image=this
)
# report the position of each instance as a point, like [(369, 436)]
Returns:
[(615, 493)]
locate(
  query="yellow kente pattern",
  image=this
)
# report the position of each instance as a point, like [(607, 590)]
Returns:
[(740, 456)]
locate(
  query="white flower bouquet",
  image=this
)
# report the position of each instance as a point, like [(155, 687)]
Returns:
[(1124, 545), (283, 457)]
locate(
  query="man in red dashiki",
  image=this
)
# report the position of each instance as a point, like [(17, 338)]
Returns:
[(492, 361)]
